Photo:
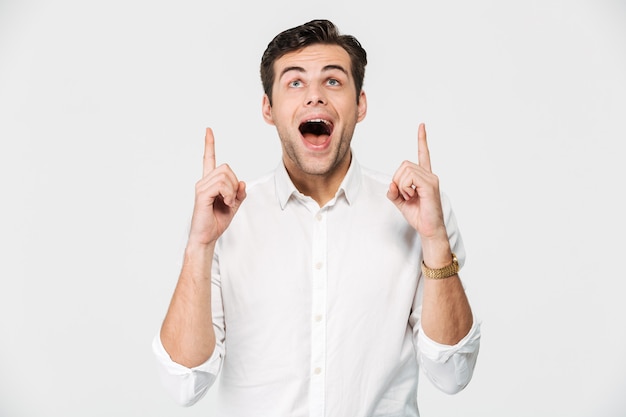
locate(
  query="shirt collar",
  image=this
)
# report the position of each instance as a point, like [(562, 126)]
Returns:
[(349, 187)]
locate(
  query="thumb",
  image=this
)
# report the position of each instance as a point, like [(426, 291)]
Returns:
[(393, 193)]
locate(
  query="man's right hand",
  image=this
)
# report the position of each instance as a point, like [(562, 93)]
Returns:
[(218, 196), (187, 333)]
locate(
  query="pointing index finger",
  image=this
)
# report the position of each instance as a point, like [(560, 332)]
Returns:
[(208, 163), (423, 155)]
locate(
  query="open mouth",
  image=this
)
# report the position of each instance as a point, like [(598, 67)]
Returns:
[(316, 131)]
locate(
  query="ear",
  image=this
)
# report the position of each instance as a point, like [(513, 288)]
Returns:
[(267, 110), (362, 107)]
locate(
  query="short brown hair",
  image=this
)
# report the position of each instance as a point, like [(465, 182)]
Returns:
[(313, 32)]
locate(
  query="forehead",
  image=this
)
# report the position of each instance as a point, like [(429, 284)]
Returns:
[(314, 57)]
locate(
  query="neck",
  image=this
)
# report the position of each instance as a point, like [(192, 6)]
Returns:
[(323, 187)]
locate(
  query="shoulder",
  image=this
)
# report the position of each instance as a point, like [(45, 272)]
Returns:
[(376, 177), (375, 181), (372, 196), (260, 188)]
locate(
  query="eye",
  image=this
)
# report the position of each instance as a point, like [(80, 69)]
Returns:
[(295, 84), (333, 82)]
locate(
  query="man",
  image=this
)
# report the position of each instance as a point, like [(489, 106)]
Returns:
[(320, 289)]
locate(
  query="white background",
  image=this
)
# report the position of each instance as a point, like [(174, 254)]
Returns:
[(103, 107)]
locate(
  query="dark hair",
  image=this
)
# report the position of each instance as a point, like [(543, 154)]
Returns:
[(313, 32)]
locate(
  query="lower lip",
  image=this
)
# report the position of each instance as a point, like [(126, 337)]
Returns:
[(321, 147)]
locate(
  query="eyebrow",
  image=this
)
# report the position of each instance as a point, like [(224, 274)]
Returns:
[(329, 67)]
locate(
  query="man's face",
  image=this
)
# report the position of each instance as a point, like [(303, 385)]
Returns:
[(315, 109)]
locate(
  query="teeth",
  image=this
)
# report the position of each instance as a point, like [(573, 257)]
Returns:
[(326, 122)]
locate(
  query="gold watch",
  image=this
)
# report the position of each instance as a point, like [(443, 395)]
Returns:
[(441, 273)]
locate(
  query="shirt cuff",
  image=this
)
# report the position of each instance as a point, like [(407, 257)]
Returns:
[(186, 385), (440, 353)]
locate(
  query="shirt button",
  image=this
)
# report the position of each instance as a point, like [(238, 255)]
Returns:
[(318, 265), (317, 371), (318, 318), (319, 217)]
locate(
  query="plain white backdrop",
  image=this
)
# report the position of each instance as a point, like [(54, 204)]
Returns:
[(103, 107)]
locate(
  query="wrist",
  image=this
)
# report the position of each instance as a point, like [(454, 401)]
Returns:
[(197, 262), (436, 252), (199, 250)]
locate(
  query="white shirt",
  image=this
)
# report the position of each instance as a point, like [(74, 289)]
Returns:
[(317, 310)]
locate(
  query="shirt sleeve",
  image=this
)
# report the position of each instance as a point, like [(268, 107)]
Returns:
[(186, 385), (449, 368)]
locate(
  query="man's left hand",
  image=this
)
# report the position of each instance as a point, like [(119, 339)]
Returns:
[(415, 191)]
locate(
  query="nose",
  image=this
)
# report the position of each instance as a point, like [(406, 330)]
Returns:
[(315, 97)]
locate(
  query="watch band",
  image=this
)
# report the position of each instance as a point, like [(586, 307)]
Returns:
[(441, 273)]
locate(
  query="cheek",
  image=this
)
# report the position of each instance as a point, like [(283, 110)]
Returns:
[(283, 113), (280, 118), (348, 106)]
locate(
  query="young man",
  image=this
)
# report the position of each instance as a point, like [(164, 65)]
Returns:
[(321, 289)]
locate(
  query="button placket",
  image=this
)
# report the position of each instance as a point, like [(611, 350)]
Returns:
[(318, 316)]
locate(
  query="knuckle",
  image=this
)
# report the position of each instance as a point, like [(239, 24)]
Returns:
[(222, 184), (223, 168)]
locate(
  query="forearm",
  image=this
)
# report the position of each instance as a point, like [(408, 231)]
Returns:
[(187, 332), (446, 313)]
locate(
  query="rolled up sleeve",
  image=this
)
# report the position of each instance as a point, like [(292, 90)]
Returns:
[(449, 367), (186, 385)]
